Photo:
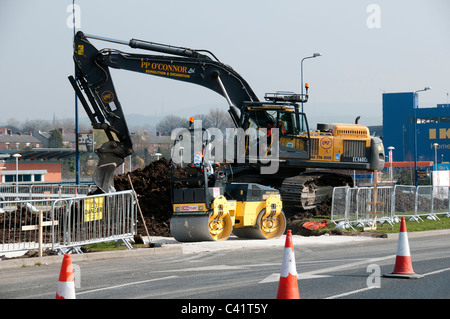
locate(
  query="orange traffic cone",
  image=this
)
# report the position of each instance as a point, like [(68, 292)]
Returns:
[(288, 285), (403, 266), (66, 283)]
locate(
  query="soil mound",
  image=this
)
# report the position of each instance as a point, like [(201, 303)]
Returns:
[(152, 186)]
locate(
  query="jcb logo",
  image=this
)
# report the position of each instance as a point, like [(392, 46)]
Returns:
[(444, 133)]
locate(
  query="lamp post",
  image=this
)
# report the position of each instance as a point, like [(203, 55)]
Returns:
[(1, 177), (391, 148), (435, 155), (416, 96), (17, 155), (435, 174), (315, 55)]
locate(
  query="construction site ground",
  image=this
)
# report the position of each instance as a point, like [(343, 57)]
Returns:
[(152, 185)]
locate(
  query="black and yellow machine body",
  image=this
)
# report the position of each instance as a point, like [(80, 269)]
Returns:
[(311, 162), (248, 210)]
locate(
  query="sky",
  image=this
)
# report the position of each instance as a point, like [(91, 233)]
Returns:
[(368, 48)]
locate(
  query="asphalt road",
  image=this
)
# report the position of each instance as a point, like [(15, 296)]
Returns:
[(326, 271)]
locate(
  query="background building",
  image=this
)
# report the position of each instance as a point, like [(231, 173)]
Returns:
[(420, 136), (37, 162), (414, 130)]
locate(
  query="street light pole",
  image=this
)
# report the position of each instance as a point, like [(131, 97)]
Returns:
[(301, 72), (435, 165), (435, 155), (17, 155), (391, 148), (77, 143), (415, 131), (1, 177)]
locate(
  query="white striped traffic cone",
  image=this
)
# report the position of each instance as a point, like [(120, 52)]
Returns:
[(403, 266), (66, 283), (288, 285)]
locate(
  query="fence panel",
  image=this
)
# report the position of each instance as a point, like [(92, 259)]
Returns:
[(365, 207), (69, 222), (404, 200), (339, 204), (18, 224), (98, 218), (11, 192), (353, 205), (440, 200), (424, 201)]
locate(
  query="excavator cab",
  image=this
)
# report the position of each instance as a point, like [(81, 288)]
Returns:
[(292, 125)]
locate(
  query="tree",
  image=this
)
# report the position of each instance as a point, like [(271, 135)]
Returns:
[(171, 122), (220, 119), (55, 140), (36, 124)]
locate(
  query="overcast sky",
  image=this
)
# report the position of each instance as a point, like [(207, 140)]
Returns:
[(394, 46)]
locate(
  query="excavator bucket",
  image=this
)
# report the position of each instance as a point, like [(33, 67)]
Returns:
[(104, 177), (111, 156)]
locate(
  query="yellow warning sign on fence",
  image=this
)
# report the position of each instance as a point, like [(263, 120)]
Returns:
[(93, 209)]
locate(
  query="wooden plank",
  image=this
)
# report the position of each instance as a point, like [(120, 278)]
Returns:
[(34, 227)]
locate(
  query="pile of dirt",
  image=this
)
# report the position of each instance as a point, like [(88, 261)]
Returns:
[(152, 185)]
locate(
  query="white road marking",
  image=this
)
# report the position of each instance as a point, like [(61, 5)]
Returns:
[(124, 285), (316, 273)]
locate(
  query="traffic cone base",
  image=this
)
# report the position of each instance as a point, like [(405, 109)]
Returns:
[(288, 288), (403, 266)]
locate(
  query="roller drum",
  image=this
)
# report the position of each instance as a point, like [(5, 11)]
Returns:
[(265, 228), (193, 228)]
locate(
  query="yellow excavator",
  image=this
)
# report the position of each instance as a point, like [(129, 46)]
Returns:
[(309, 163)]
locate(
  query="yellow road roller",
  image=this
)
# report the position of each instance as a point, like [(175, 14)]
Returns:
[(207, 207), (246, 209)]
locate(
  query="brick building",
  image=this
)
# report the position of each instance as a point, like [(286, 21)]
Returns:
[(36, 162)]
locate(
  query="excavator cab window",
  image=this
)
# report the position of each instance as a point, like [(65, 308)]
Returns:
[(290, 123), (294, 135)]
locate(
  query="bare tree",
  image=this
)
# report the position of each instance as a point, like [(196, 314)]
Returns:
[(220, 119), (169, 123)]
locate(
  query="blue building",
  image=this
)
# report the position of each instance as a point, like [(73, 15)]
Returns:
[(414, 130)]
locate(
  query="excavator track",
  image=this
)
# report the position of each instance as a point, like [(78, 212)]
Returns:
[(304, 191), (308, 190)]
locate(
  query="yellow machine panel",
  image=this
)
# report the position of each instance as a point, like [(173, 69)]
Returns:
[(247, 212), (342, 140)]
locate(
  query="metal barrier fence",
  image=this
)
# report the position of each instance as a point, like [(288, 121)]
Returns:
[(354, 206), (67, 223), (44, 191)]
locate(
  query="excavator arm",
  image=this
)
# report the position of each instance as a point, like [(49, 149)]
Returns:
[(101, 103), (182, 64), (103, 109)]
